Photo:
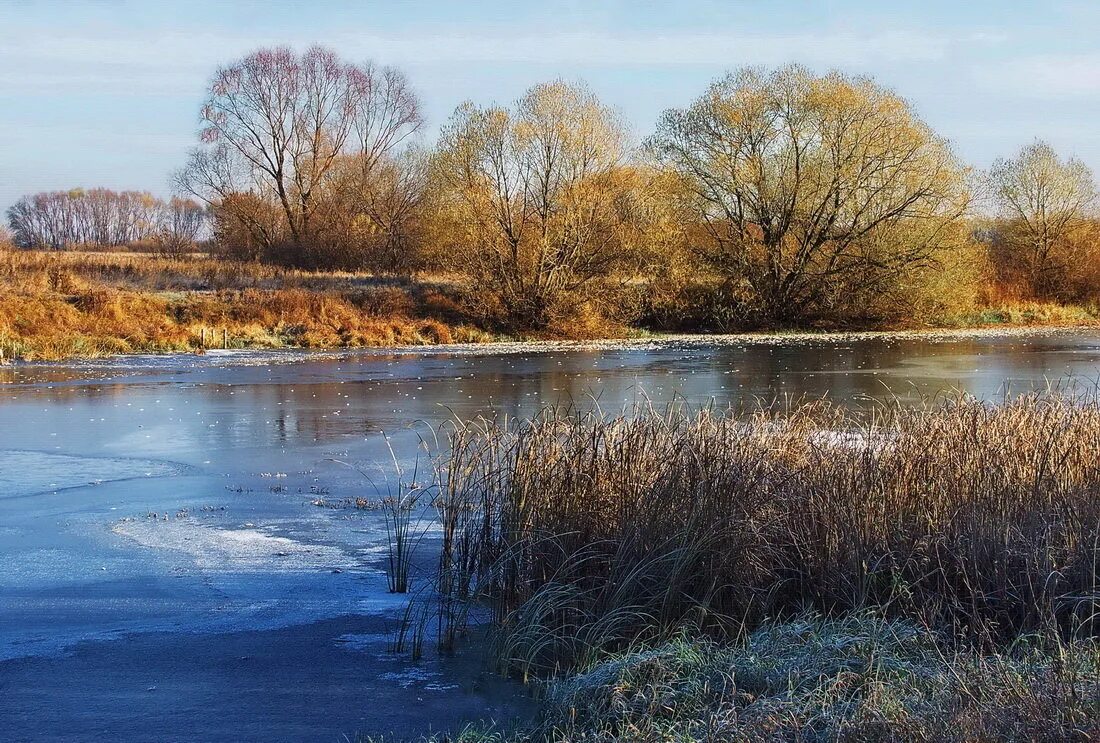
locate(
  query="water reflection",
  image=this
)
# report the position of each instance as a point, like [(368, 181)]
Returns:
[(184, 408)]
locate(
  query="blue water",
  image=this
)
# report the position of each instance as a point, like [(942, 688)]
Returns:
[(178, 560)]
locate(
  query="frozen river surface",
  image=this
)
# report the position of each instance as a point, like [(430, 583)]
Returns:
[(166, 572)]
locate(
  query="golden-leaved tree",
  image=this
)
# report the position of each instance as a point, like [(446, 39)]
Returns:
[(538, 206), (812, 196), (1045, 234)]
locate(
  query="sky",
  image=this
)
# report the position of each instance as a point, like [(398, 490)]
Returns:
[(107, 93)]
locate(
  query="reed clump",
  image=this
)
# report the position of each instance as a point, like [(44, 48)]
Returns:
[(588, 533)]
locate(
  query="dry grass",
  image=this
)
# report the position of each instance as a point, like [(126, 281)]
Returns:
[(1025, 313), (83, 303), (73, 270), (803, 573), (588, 532), (58, 305)]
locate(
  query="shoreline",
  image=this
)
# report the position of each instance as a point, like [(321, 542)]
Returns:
[(646, 342)]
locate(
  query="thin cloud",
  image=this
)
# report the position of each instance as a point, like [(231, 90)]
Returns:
[(1049, 76), (174, 59)]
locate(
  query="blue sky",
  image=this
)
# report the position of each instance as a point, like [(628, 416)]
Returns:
[(107, 93)]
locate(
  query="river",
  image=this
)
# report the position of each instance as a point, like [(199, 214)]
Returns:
[(179, 559)]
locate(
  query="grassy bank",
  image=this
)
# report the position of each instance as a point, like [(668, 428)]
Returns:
[(859, 678), (801, 573), (57, 305), (1021, 313)]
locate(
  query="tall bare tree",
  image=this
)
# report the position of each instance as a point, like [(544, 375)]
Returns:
[(535, 198), (275, 123), (810, 191), (1044, 200)]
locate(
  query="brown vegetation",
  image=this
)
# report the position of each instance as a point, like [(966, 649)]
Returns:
[(61, 304), (1044, 243), (57, 305), (590, 532), (786, 573), (778, 199)]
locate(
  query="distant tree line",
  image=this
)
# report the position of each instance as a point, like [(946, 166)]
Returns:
[(100, 218), (777, 197)]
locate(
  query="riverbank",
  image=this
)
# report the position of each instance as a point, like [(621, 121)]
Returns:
[(101, 323), (858, 678), (64, 305), (64, 336), (73, 305), (789, 573)]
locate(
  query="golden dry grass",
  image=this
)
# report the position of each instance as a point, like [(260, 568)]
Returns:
[(588, 532), (1024, 313), (55, 305), (58, 305), (72, 270)]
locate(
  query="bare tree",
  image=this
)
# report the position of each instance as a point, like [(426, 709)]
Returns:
[(811, 192), (275, 123), (97, 217), (181, 225), (1044, 200), (30, 225), (534, 197)]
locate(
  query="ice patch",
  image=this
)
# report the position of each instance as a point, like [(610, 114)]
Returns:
[(25, 473), (246, 550), (43, 567), (215, 357), (365, 642), (419, 677)]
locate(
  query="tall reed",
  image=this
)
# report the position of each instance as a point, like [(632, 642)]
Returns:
[(405, 517), (587, 531)]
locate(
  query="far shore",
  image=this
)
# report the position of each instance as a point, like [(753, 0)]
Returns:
[(638, 342)]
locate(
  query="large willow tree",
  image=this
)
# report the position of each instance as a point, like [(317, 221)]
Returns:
[(811, 194), (538, 206)]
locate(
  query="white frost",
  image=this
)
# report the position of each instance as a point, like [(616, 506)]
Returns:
[(233, 550)]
